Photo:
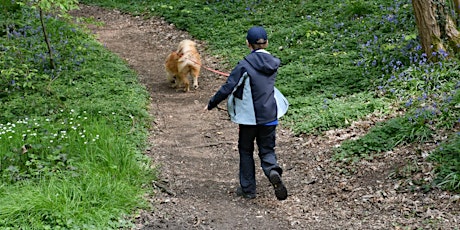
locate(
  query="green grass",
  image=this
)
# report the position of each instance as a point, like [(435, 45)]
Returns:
[(447, 159), (321, 114), (384, 137), (71, 138)]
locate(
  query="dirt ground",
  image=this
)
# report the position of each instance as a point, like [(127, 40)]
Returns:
[(198, 159)]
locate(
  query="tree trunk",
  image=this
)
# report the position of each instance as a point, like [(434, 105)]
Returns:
[(437, 29), (50, 51), (452, 33)]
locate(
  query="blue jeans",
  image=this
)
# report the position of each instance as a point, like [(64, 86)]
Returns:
[(265, 137)]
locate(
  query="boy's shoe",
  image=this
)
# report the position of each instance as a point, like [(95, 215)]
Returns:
[(280, 189), (239, 192)]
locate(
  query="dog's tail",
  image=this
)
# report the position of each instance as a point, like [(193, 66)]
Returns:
[(190, 60), (199, 64)]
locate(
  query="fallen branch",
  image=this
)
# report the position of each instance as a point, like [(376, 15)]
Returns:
[(208, 145)]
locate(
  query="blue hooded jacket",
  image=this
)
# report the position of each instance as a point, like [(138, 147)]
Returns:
[(256, 73)]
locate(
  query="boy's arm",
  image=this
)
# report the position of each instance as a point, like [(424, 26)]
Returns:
[(227, 88)]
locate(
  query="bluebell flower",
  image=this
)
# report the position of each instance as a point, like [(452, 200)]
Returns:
[(409, 103), (391, 78)]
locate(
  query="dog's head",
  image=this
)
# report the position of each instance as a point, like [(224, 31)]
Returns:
[(175, 55)]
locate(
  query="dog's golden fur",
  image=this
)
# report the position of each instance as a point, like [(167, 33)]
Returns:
[(183, 62), (171, 66)]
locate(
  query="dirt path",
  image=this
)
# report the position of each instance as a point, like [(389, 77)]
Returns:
[(198, 158)]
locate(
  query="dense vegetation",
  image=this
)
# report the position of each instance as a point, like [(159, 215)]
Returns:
[(70, 144), (342, 61)]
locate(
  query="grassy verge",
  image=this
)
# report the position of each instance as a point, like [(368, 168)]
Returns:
[(71, 137), (447, 158)]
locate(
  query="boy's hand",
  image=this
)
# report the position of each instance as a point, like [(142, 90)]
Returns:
[(205, 109)]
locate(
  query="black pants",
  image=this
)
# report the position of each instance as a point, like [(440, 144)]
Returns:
[(265, 137)]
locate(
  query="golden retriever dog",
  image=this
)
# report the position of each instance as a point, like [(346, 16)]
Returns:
[(182, 63)]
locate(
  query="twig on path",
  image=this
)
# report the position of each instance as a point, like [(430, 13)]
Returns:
[(163, 188), (221, 109), (198, 221), (208, 145)]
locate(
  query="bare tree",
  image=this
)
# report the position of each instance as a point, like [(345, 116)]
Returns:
[(59, 7), (436, 26)]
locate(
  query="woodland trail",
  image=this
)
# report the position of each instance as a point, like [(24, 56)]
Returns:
[(198, 160)]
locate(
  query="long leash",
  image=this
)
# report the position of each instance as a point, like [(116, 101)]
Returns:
[(215, 71), (210, 69)]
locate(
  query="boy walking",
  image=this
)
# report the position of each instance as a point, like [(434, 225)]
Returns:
[(252, 105)]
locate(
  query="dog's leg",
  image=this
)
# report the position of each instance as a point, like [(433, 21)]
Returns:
[(195, 74), (186, 85), (171, 78), (184, 81)]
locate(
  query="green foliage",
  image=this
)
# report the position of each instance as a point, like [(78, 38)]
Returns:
[(58, 7), (8, 9), (24, 65), (357, 8), (384, 137), (447, 159), (71, 137), (9, 6), (332, 112)]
